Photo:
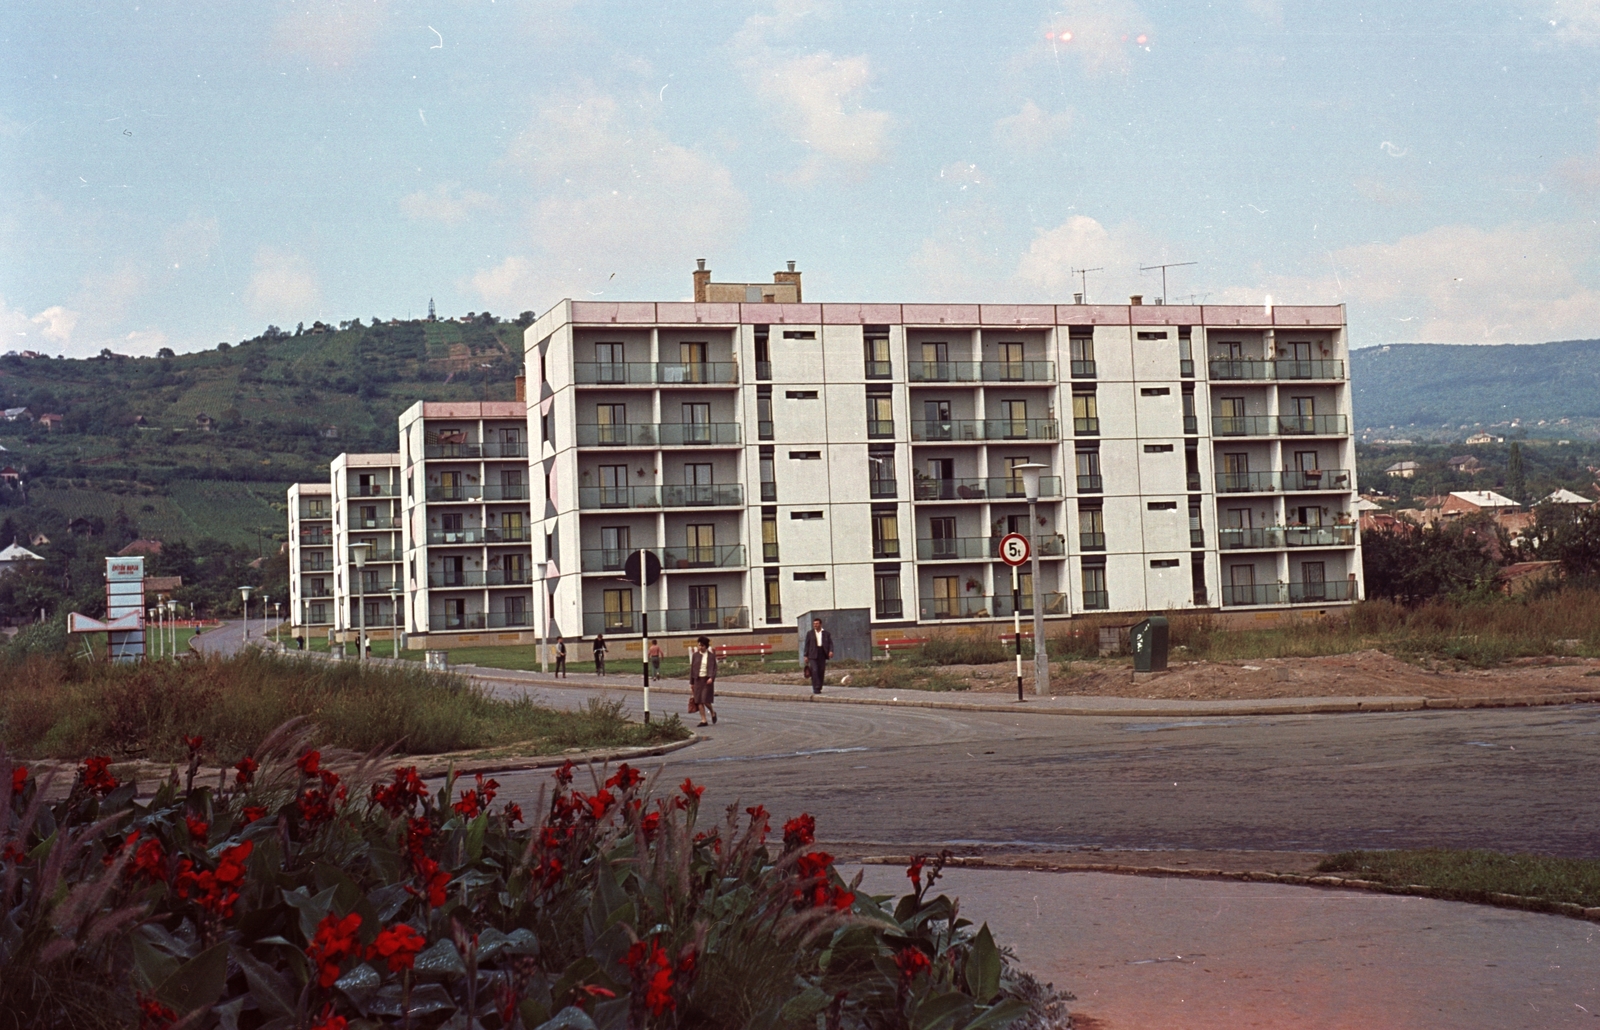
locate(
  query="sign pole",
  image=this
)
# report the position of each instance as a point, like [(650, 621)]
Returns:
[(642, 569), (1016, 626), (644, 651)]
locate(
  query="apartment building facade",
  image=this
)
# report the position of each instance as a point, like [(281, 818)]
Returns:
[(788, 457), (311, 565), (366, 510)]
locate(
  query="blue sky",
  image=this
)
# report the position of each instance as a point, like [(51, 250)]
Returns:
[(181, 174)]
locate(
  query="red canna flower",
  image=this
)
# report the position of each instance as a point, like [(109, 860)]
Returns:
[(398, 945), (759, 818), (690, 791), (564, 774), (650, 824), (799, 832), (651, 969), (487, 789), (153, 1015), (914, 870), (625, 778), (194, 744), (599, 803), (911, 961), (19, 778), (199, 829), (246, 768), (310, 762), (329, 1021), (149, 861), (468, 805), (513, 813), (215, 891), (250, 813), (96, 774), (401, 796), (335, 941)]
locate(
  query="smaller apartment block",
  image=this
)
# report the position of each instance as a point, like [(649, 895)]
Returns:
[(311, 565), (366, 510)]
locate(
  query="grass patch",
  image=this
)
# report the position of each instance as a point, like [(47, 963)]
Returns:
[(55, 707), (1469, 875), (895, 676)]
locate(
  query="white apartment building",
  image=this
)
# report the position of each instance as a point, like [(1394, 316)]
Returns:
[(782, 457), (311, 566), (366, 510), (466, 526)]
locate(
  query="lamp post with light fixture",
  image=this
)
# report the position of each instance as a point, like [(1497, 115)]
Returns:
[(244, 594), (1030, 473), (358, 554), (394, 619)]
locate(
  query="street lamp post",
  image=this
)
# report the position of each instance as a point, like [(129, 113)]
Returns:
[(244, 594), (1030, 473), (394, 620), (172, 624), (358, 554), (264, 599), (277, 624)]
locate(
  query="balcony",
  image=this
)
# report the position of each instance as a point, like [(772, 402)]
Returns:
[(1083, 369), (665, 373), (977, 489), (960, 548), (316, 539), (1319, 536), (1247, 482), (1319, 593), (880, 488), (321, 563), (1236, 369), (479, 620), (714, 556), (1096, 600), (1281, 369), (1236, 539), (376, 555), (880, 370), (452, 451), (1055, 603), (880, 428), (472, 578), (1313, 425), (707, 495), (1236, 596), (1243, 425), (699, 434), (984, 429), (686, 620), (617, 435), (316, 592), (958, 608), (506, 492), (316, 515), (375, 490), (476, 535), (447, 494), (1091, 541), (1288, 368), (1091, 484), (1017, 371), (942, 372), (1296, 481), (1086, 426), (667, 434), (387, 522)]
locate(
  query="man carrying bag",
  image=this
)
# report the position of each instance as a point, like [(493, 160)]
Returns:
[(818, 648)]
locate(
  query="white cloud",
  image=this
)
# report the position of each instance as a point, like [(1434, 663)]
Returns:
[(1033, 128), (1574, 21), (1082, 242), (446, 203), (48, 331), (1102, 34), (613, 195), (282, 286), (815, 97), (56, 323)]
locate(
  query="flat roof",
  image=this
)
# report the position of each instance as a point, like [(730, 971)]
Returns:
[(475, 409)]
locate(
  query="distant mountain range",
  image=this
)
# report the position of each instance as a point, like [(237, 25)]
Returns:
[(1429, 385)]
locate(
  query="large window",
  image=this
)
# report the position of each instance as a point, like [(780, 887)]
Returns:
[(946, 596), (769, 536), (1085, 413), (1082, 356), (1089, 481), (877, 357), (880, 415), (700, 544), (1091, 527), (1095, 596), (703, 613), (774, 598), (885, 534), (697, 423), (769, 476), (886, 595), (617, 609)]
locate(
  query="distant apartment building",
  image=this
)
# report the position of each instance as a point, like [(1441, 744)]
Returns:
[(311, 564), (366, 510)]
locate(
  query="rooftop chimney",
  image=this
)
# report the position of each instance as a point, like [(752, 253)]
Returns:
[(702, 279), (700, 263), (1136, 300), (1077, 298), (791, 266), (791, 276)]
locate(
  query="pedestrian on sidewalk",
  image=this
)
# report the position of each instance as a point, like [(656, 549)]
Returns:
[(703, 681), (600, 654), (817, 651), (561, 658), (655, 659)]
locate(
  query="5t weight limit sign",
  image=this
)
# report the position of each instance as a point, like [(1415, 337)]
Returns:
[(1014, 549)]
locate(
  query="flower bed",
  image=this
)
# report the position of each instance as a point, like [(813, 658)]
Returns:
[(290, 896)]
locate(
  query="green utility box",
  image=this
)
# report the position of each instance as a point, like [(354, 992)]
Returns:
[(1149, 642)]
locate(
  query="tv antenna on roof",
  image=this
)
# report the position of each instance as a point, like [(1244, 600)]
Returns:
[(1171, 264), (1083, 277)]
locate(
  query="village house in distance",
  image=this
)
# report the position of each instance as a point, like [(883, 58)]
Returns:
[(781, 457)]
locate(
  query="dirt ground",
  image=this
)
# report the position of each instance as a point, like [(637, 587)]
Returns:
[(1361, 674)]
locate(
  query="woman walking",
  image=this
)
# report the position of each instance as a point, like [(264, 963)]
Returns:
[(600, 654), (703, 681)]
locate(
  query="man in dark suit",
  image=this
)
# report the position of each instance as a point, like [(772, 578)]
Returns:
[(816, 650)]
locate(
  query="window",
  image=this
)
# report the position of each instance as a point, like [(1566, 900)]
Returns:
[(549, 546), (763, 353), (769, 477), (609, 354), (880, 415), (805, 516), (612, 422), (769, 536), (1015, 415), (877, 354), (700, 544), (1185, 353), (764, 412), (1162, 506), (1313, 582), (616, 610), (613, 486), (1231, 420), (943, 533), (692, 356), (935, 363), (451, 525), (1153, 336), (946, 596), (805, 455), (703, 612), (773, 596), (1082, 348), (1085, 412), (516, 610), (1197, 536), (810, 577), (1236, 476), (1091, 527), (1197, 574), (1095, 597), (1163, 563), (799, 334), (1012, 366), (1014, 484), (1155, 391), (697, 423), (1191, 463), (801, 395), (697, 486), (886, 594), (1157, 448), (1089, 480), (880, 472), (885, 534), (1191, 425)]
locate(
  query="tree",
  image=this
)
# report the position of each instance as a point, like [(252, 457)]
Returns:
[(1412, 565), (166, 352), (1516, 479)]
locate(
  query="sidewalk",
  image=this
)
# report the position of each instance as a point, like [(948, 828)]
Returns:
[(959, 701)]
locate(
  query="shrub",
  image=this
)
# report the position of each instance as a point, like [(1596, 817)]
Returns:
[(300, 896), (948, 648)]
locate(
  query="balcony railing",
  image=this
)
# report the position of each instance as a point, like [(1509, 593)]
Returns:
[(449, 451), (438, 580), (1247, 482), (880, 428), (1237, 539), (667, 434), (769, 552), (1017, 371), (1240, 368), (1186, 368), (317, 615), (1086, 426), (387, 522), (1096, 600), (1319, 536), (376, 555), (616, 622), (763, 370), (958, 608), (479, 620), (708, 495), (591, 434), (769, 490), (316, 514), (1298, 481), (316, 539), (1197, 537), (1055, 603), (1191, 425), (975, 489), (713, 556), (1083, 369), (1281, 369), (888, 609), (318, 564), (885, 549), (1091, 484), (699, 434), (454, 493), (316, 592), (1289, 368), (959, 548), (683, 620), (764, 429), (1243, 425), (506, 492), (880, 488), (375, 490), (1254, 593), (880, 370), (985, 429), (645, 373), (1313, 425), (1091, 541), (1317, 593), (478, 535), (942, 371)]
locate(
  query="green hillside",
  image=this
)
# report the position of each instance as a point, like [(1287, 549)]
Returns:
[(280, 405)]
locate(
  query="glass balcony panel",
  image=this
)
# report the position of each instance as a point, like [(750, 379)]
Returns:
[(506, 492), (721, 556), (976, 489), (1316, 479), (1022, 428), (1319, 536), (684, 620), (1321, 369), (880, 370), (1096, 600), (1243, 425), (1090, 484), (1247, 482), (692, 434), (942, 371), (1257, 593), (1317, 593), (958, 608), (1236, 539), (1055, 603), (617, 435), (1091, 541), (703, 373), (1086, 427), (1017, 371), (454, 493), (883, 489), (1313, 425), (450, 451), (704, 495), (880, 428)]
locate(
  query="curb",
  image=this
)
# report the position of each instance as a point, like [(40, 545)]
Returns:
[(438, 768), (1491, 898), (1282, 707)]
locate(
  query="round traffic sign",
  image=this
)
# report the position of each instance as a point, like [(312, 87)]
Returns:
[(1014, 549)]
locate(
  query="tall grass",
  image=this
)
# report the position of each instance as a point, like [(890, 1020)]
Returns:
[(52, 706), (1470, 874)]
